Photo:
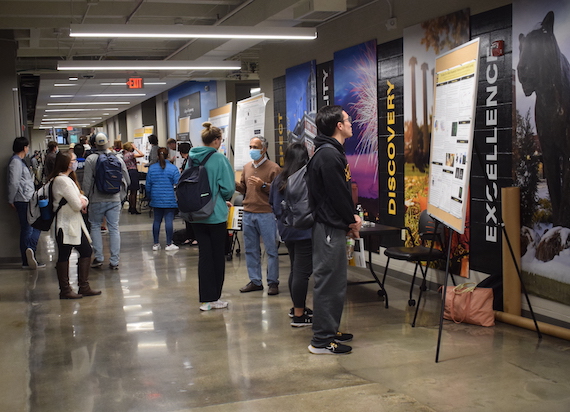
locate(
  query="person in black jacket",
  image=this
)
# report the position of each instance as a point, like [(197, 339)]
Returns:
[(335, 218)]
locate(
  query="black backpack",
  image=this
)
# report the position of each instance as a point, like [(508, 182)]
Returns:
[(108, 174), (40, 208), (296, 207), (193, 193)]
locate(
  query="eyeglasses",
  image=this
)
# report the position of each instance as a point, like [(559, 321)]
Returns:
[(349, 119)]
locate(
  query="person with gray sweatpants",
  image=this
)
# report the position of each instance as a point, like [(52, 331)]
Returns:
[(330, 190)]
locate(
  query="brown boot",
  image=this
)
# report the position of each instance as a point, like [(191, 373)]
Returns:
[(65, 291), (83, 265)]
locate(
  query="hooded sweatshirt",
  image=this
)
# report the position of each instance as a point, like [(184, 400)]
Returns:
[(222, 181), (330, 185)]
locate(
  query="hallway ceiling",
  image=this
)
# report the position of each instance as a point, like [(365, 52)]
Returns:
[(41, 30)]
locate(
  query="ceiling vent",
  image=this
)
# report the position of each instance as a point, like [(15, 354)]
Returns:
[(318, 10)]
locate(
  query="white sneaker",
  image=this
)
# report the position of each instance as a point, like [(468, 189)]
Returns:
[(218, 304), (156, 247), (172, 246)]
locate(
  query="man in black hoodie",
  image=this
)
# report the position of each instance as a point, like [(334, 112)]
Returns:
[(335, 218)]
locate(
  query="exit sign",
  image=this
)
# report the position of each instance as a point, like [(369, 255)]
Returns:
[(135, 83)]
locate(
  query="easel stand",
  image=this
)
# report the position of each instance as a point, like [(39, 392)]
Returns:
[(501, 225)]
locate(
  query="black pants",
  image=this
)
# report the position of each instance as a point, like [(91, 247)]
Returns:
[(301, 257), (212, 260), (64, 251)]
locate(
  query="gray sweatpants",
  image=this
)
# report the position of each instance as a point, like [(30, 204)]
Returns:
[(329, 274)]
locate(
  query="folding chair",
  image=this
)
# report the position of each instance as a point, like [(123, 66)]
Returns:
[(429, 231)]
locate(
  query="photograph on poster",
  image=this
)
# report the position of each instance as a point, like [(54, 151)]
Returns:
[(541, 145), (301, 97)]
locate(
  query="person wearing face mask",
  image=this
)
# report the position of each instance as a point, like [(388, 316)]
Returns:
[(258, 219), (70, 228)]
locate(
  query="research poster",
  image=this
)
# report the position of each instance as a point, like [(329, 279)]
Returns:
[(250, 122), (452, 133)]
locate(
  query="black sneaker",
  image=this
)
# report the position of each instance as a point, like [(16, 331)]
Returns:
[(299, 321), (343, 337), (332, 348), (113, 267), (96, 264), (307, 312)]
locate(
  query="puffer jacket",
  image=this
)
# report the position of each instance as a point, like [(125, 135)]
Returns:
[(160, 185)]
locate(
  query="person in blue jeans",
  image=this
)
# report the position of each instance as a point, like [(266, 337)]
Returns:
[(160, 181), (20, 191), (104, 205), (258, 218)]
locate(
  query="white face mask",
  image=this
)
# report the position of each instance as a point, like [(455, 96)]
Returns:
[(73, 166)]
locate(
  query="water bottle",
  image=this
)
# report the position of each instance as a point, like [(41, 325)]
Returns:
[(43, 203), (360, 211), (349, 247)]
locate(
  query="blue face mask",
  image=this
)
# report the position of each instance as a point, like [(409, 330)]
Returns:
[(255, 154)]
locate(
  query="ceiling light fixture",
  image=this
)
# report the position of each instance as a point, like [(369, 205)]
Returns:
[(134, 65), (191, 32), (125, 83), (84, 103), (61, 95), (65, 84), (81, 110), (117, 95)]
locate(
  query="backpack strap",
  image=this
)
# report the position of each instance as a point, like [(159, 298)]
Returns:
[(203, 162), (320, 204)]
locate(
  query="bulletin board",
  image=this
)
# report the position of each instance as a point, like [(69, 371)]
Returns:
[(455, 94)]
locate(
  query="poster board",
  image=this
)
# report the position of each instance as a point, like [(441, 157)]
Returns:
[(250, 122), (222, 118), (140, 139), (455, 95)]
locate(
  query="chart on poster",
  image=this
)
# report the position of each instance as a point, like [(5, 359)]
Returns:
[(452, 134)]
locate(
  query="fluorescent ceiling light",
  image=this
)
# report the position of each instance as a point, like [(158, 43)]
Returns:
[(81, 110), (73, 78), (63, 119), (117, 95), (191, 32), (61, 95), (85, 103), (107, 65), (125, 83), (65, 84)]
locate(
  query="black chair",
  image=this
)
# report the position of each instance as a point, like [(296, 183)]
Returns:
[(429, 231)]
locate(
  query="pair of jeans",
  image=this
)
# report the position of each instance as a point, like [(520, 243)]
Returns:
[(211, 259), (28, 235), (256, 225), (301, 258), (329, 273), (110, 211), (168, 215)]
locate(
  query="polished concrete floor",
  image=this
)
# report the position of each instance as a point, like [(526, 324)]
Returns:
[(144, 345)]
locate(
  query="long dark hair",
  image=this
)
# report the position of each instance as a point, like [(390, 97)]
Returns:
[(162, 156), (296, 156), (62, 161)]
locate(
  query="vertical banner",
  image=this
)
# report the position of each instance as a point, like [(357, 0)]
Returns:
[(250, 122), (541, 146), (222, 119), (280, 118), (391, 133), (492, 151), (325, 84), (356, 90), (301, 104)]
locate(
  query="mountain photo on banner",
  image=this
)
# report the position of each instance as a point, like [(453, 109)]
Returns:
[(356, 90), (541, 146)]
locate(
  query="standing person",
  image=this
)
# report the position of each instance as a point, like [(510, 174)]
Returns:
[(70, 228), (184, 149), (104, 205), (171, 146), (130, 159), (258, 219), (79, 151), (298, 242), (160, 181), (211, 232), (335, 218), (20, 191), (153, 154), (50, 157), (118, 147)]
